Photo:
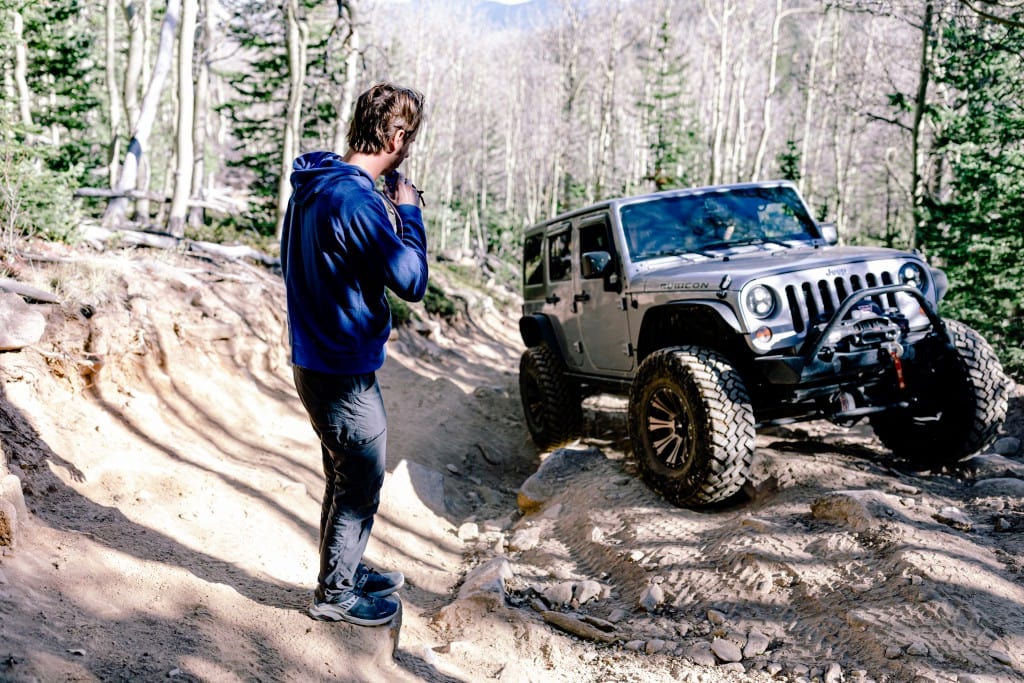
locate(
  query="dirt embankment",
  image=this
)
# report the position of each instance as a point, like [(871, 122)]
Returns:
[(172, 491)]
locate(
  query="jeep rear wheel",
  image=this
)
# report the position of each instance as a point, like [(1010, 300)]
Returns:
[(552, 409), (960, 414), (692, 425)]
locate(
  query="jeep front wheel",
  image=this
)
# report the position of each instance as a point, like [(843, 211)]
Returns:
[(553, 412), (691, 425), (960, 413)]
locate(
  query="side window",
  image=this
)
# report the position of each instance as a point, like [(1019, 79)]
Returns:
[(594, 236), (559, 256), (533, 260)]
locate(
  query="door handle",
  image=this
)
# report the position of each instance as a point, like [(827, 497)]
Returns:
[(552, 299), (581, 297)]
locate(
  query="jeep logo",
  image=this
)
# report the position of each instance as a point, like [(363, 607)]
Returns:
[(836, 272)]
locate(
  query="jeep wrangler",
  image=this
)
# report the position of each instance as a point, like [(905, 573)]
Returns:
[(722, 310)]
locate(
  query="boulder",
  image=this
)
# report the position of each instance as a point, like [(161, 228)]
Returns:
[(552, 475), (22, 324)]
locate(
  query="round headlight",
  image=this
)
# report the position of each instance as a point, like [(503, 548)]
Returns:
[(761, 301), (912, 274)]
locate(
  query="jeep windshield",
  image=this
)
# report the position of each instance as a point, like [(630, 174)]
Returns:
[(704, 222)]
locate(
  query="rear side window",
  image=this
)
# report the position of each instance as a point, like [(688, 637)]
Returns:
[(533, 260), (559, 257)]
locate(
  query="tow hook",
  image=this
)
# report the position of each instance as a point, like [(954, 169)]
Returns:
[(895, 352)]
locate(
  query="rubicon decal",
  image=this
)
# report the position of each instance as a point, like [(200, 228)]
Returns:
[(683, 285)]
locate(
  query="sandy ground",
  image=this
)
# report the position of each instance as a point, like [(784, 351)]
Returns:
[(172, 488)]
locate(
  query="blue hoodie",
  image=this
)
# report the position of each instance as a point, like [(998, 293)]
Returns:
[(338, 253)]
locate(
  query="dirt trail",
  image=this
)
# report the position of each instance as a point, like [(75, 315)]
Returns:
[(173, 484)]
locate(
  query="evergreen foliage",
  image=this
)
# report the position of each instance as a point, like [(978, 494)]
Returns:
[(976, 231), (258, 106), (62, 73), (672, 140)]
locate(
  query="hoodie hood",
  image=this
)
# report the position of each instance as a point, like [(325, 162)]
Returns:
[(314, 171)]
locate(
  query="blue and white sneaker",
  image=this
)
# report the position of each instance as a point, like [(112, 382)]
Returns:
[(374, 584), (355, 608)]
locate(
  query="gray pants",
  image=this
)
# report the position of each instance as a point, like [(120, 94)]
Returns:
[(347, 413)]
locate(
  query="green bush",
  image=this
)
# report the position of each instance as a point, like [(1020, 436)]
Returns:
[(437, 303), (34, 200), (401, 314)]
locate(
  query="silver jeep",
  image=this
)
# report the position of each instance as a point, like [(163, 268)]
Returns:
[(720, 310)]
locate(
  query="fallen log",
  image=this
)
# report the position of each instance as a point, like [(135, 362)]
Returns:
[(28, 292), (99, 237)]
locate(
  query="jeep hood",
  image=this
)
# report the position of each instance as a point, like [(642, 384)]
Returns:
[(744, 266)]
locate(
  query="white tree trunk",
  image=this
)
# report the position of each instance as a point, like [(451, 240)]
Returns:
[(143, 127), (298, 35), (20, 69), (114, 104), (186, 116)]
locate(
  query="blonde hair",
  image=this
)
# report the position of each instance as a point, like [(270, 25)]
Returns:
[(382, 111)]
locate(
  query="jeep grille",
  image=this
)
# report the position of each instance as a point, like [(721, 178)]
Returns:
[(814, 302)]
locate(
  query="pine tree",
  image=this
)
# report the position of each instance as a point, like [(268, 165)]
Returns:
[(672, 139), (977, 233)]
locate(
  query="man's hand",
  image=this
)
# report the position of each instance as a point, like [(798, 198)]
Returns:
[(401, 190)]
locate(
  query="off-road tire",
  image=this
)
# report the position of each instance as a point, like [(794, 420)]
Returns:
[(691, 425), (962, 412), (551, 406)]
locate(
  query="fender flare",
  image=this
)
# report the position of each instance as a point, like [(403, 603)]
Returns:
[(536, 329)]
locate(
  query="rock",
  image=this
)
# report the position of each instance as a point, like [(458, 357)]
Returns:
[(1007, 445), (550, 477), (23, 325), (652, 597), (1005, 486), (833, 673), (860, 510), (558, 595), (700, 653), (893, 652), (617, 615), (525, 539), (586, 591), (999, 654), (757, 644), (486, 583), (917, 650), (953, 517), (636, 556), (993, 466), (634, 645), (654, 646), (715, 617), (469, 531), (726, 650)]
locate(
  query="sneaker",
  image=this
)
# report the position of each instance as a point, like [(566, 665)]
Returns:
[(376, 584), (355, 608)]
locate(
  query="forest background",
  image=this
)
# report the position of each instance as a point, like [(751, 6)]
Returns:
[(901, 120)]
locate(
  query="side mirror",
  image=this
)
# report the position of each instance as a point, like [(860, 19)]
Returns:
[(594, 264), (829, 232)]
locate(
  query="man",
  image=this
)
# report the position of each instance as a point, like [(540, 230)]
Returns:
[(343, 243)]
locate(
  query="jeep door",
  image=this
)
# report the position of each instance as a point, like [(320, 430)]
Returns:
[(600, 307), (558, 301)]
